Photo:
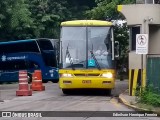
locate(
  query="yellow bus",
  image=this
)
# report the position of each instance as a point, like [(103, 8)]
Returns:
[(87, 55)]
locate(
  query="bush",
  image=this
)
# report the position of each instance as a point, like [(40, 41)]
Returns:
[(149, 95)]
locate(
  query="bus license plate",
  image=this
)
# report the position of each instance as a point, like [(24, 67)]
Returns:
[(86, 81)]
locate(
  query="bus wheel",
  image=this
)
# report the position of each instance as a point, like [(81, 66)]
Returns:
[(65, 91), (109, 92), (45, 81), (29, 78)]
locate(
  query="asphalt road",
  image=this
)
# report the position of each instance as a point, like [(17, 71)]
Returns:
[(52, 99), (8, 91)]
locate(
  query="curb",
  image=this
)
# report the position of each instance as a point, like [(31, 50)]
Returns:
[(126, 103)]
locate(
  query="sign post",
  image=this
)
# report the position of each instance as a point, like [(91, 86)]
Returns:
[(142, 48)]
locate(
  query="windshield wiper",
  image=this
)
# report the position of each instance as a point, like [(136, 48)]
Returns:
[(95, 60), (70, 60)]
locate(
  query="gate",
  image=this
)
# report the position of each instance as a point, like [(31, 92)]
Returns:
[(153, 70)]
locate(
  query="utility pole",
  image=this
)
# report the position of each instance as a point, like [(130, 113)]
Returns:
[(145, 30)]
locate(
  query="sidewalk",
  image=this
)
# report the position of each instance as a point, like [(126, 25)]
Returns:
[(131, 102)]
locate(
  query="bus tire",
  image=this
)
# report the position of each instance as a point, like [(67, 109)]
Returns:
[(109, 92), (29, 78), (44, 81), (65, 91)]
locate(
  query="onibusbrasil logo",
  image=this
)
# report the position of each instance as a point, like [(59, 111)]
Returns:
[(4, 58)]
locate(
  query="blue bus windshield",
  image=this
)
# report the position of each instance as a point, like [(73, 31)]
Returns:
[(18, 46)]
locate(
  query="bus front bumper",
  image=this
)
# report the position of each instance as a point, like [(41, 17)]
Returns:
[(86, 82)]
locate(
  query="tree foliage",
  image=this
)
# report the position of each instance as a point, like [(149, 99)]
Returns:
[(107, 9), (121, 34), (23, 19), (47, 15), (14, 19)]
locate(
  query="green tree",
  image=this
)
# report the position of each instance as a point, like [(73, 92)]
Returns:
[(121, 34), (107, 9), (78, 8), (47, 15), (23, 19), (15, 19)]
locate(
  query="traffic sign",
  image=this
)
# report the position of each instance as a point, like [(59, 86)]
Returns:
[(141, 43)]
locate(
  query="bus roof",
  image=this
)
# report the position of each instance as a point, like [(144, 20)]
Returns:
[(86, 23), (17, 41)]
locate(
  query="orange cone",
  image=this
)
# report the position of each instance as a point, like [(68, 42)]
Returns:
[(37, 81), (23, 85)]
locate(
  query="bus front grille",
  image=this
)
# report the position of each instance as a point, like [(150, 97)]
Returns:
[(91, 75)]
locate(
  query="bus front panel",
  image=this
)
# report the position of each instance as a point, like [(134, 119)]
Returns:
[(74, 79)]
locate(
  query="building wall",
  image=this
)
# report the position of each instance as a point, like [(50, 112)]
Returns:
[(134, 60), (148, 17), (154, 41), (136, 13)]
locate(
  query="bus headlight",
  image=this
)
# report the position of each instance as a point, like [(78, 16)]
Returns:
[(66, 75), (107, 75)]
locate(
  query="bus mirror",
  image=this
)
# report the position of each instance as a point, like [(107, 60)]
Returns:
[(116, 49)]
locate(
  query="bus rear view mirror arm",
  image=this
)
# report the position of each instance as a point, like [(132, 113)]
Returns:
[(117, 49)]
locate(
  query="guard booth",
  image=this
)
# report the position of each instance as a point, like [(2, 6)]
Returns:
[(143, 18)]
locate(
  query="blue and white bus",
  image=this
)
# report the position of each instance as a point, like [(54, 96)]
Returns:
[(29, 55)]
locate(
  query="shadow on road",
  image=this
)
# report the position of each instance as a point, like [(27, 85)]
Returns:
[(120, 87), (88, 92)]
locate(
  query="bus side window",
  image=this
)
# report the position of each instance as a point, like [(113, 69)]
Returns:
[(33, 65)]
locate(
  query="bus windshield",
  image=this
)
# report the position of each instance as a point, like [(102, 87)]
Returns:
[(48, 52), (18, 46), (74, 41), (99, 43), (79, 42)]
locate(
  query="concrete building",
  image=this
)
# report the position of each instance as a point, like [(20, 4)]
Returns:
[(143, 18)]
